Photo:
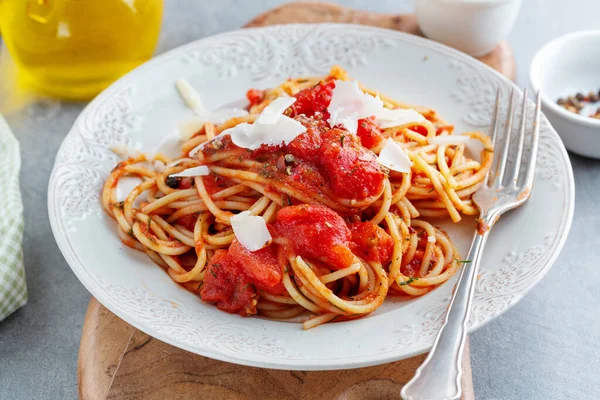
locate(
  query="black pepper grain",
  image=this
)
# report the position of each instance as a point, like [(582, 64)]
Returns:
[(172, 182)]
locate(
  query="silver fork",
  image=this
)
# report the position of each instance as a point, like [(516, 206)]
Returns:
[(439, 375)]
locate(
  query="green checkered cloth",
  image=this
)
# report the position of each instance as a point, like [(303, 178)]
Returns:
[(13, 291)]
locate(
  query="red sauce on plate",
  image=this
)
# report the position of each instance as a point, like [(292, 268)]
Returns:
[(314, 232), (234, 276), (314, 100), (255, 96), (369, 132), (371, 243)]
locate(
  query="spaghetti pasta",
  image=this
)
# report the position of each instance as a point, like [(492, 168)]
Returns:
[(346, 231)]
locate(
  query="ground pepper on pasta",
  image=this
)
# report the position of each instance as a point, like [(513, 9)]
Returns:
[(346, 231)]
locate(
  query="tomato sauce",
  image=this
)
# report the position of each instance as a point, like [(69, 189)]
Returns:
[(322, 158), (420, 129), (371, 243), (314, 100), (234, 276), (214, 183), (255, 96), (314, 232), (369, 133), (413, 268), (188, 221), (351, 170)]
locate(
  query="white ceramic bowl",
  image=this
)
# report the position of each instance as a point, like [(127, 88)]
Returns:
[(144, 107), (472, 26), (565, 66)]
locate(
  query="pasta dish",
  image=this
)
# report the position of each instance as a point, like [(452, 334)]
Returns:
[(313, 204)]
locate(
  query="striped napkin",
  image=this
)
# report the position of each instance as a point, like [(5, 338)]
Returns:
[(13, 290)]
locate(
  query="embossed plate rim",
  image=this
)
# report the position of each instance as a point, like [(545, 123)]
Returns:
[(382, 355)]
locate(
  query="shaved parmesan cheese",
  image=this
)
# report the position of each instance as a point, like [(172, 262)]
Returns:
[(388, 118), (250, 230), (349, 104), (190, 96), (192, 99), (394, 157), (202, 170), (431, 239), (449, 139), (252, 136), (270, 128), (274, 110)]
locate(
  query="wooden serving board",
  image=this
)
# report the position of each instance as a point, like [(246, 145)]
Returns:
[(117, 361), (501, 58)]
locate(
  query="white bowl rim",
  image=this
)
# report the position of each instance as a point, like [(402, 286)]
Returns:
[(534, 67), (67, 252)]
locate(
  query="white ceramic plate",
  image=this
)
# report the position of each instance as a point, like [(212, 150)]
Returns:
[(143, 108)]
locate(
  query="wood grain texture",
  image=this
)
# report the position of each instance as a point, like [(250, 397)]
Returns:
[(117, 361), (501, 58)]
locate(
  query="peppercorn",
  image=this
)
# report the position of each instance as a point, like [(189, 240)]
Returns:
[(172, 181), (576, 103), (572, 109)]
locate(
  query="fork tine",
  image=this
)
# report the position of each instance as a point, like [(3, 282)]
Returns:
[(489, 178), (517, 164), (529, 175), (495, 118), (507, 133)]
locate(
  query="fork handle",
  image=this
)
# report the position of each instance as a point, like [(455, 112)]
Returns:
[(439, 376)]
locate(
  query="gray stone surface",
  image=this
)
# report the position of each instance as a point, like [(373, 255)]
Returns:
[(546, 347)]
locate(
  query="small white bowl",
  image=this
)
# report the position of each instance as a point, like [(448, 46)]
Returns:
[(568, 65), (472, 26)]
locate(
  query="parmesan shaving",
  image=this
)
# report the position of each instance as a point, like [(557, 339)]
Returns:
[(250, 230), (431, 239), (350, 104), (202, 170), (271, 114), (270, 128), (394, 157), (388, 118), (193, 101), (190, 96)]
